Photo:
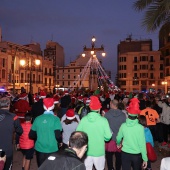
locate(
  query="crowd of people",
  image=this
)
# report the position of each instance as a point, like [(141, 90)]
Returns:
[(83, 130)]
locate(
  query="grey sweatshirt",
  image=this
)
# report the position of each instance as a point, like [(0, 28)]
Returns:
[(115, 118)]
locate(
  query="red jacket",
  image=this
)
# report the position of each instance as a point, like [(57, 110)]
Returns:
[(1, 165), (24, 141)]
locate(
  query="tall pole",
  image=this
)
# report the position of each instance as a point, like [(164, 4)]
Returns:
[(30, 65), (13, 73), (13, 52)]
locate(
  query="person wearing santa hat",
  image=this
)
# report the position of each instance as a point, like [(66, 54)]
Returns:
[(65, 101), (132, 136), (37, 107), (98, 131), (46, 130), (22, 106), (69, 125)]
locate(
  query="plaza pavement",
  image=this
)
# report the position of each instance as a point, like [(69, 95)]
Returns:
[(17, 161)]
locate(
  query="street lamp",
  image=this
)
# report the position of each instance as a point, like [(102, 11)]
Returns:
[(93, 51), (165, 84), (30, 64)]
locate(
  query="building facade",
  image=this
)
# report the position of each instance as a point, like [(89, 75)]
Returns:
[(14, 75), (139, 68), (164, 47), (54, 52)]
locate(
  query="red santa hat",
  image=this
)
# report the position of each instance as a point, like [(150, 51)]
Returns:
[(66, 92), (48, 104), (23, 96), (56, 99), (70, 114), (80, 98), (42, 95), (133, 108), (94, 103)]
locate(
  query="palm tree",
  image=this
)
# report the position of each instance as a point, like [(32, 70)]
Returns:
[(157, 15)]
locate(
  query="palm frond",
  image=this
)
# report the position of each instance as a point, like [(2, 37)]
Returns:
[(157, 14), (140, 5), (164, 31)]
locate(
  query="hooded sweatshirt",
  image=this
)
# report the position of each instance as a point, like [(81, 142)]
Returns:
[(133, 137), (115, 118), (98, 131)]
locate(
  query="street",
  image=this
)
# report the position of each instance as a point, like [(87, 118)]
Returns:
[(17, 163)]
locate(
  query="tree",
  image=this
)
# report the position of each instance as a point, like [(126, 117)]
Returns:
[(157, 15)]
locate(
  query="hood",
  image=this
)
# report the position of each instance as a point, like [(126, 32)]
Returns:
[(131, 123), (93, 116), (116, 112)]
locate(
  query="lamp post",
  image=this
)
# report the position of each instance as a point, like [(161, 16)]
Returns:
[(93, 49), (30, 64), (165, 84), (93, 52), (13, 53)]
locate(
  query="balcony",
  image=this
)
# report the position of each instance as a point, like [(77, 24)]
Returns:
[(48, 74)]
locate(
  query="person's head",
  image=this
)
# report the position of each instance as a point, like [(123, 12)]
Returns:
[(148, 103), (140, 96), (70, 117), (48, 104), (121, 106), (28, 117), (95, 104), (142, 120), (114, 104), (4, 103), (133, 109), (78, 141)]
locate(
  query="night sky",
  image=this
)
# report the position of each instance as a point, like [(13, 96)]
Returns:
[(72, 24)]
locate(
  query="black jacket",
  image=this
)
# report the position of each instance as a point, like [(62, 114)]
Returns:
[(66, 160), (37, 109), (9, 123)]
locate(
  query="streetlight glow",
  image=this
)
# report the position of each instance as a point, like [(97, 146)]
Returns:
[(164, 82), (93, 39), (83, 55), (103, 54), (22, 62), (37, 62), (92, 52)]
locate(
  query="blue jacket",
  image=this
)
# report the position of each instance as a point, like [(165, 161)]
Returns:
[(148, 136)]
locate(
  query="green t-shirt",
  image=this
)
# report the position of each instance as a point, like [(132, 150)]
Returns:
[(45, 125)]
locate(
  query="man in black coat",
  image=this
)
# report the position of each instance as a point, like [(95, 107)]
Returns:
[(71, 157), (9, 123), (37, 107)]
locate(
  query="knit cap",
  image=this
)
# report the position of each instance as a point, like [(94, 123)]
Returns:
[(94, 103), (133, 108)]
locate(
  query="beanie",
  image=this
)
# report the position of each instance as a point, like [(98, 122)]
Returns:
[(94, 103), (133, 108)]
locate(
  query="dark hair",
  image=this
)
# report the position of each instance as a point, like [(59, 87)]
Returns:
[(78, 140), (132, 117), (142, 120), (68, 121), (121, 106), (148, 103), (28, 117), (140, 96)]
